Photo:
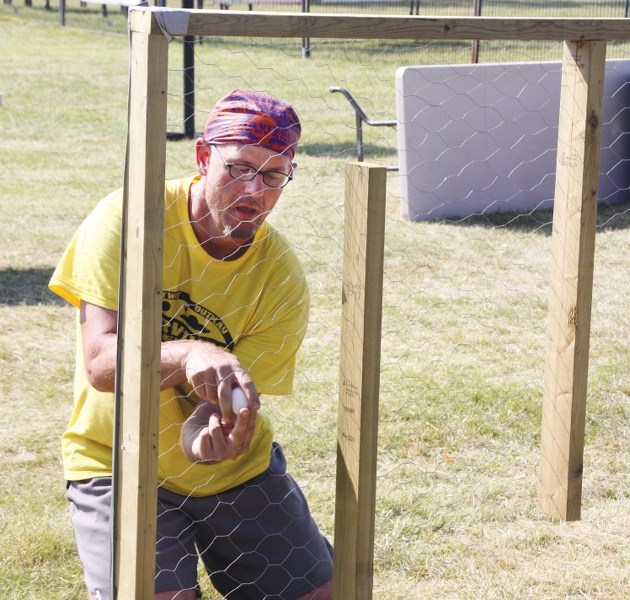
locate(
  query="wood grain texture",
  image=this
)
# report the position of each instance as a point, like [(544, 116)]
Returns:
[(359, 370), (570, 296), (391, 27), (138, 383)]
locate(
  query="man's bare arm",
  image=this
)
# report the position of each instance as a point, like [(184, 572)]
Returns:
[(211, 371)]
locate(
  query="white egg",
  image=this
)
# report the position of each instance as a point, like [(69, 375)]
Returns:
[(239, 400)]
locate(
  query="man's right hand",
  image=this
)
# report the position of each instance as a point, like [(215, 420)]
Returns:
[(206, 438), (211, 371)]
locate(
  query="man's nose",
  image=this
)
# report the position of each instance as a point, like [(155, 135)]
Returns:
[(255, 185)]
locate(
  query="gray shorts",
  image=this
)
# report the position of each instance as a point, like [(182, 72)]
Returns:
[(256, 541)]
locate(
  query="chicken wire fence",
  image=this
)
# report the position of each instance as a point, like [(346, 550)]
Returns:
[(463, 325)]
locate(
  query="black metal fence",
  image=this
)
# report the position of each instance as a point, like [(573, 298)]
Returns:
[(414, 49)]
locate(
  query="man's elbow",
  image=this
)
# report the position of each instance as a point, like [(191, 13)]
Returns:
[(100, 378)]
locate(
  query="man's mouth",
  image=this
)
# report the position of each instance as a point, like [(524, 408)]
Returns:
[(246, 213)]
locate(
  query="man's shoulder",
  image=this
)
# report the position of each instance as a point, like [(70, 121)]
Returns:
[(174, 188)]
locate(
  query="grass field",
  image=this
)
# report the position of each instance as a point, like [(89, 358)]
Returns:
[(463, 331)]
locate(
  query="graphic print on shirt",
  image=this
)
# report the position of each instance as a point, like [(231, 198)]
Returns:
[(184, 319)]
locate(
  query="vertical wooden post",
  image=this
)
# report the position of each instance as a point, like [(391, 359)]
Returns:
[(138, 382), (362, 300), (573, 248)]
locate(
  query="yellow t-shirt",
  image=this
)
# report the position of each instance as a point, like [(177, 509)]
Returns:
[(255, 306)]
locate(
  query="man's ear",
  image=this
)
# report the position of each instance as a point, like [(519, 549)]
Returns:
[(202, 151)]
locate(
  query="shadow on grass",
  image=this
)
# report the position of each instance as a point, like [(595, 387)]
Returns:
[(610, 217), (345, 150), (537, 221), (26, 286)]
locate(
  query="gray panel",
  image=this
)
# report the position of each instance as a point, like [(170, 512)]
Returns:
[(482, 138)]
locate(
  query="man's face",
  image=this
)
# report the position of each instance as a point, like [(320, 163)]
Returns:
[(236, 208)]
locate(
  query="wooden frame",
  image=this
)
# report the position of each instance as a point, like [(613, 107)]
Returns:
[(359, 378), (569, 308), (573, 249), (140, 322)]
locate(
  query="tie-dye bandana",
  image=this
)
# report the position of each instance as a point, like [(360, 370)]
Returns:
[(248, 117)]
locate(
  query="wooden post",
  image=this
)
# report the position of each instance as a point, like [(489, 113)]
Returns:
[(362, 299), (573, 247), (138, 381)]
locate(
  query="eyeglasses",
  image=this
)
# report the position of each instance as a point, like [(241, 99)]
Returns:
[(272, 179)]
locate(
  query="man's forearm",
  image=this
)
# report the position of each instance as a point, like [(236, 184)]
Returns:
[(172, 363)]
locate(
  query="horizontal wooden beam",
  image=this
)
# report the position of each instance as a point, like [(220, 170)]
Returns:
[(391, 27)]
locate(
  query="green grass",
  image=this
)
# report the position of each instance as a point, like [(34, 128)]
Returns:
[(463, 329)]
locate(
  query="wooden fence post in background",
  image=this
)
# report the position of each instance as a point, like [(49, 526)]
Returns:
[(573, 248), (359, 369)]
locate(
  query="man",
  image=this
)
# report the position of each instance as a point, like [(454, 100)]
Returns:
[(235, 310)]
